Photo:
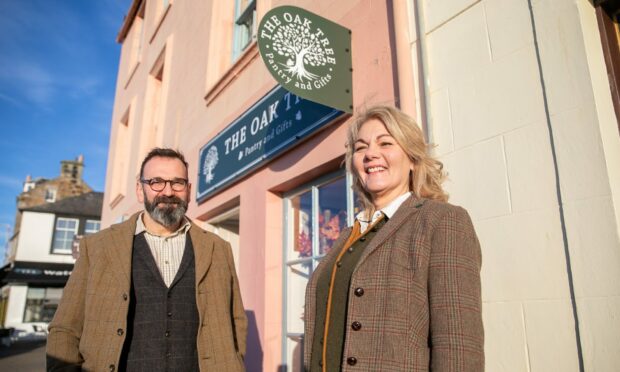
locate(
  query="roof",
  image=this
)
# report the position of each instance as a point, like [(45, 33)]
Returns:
[(128, 21), (88, 204)]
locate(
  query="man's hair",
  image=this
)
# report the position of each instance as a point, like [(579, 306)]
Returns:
[(163, 153)]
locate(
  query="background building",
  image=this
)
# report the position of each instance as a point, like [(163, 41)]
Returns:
[(519, 97), (50, 214)]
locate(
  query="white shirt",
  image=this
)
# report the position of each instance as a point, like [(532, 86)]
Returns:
[(166, 250), (389, 210)]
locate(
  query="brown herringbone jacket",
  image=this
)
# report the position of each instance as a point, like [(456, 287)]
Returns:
[(87, 330), (421, 307)]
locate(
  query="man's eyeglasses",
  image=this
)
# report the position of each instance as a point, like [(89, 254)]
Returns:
[(159, 184)]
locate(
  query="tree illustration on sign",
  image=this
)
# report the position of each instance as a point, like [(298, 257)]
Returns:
[(302, 48), (210, 162)]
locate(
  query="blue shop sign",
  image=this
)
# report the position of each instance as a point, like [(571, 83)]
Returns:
[(276, 122)]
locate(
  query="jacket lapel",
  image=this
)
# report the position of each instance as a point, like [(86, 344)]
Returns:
[(119, 252), (203, 251), (404, 213)]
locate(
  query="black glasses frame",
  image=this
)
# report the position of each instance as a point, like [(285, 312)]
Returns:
[(159, 184)]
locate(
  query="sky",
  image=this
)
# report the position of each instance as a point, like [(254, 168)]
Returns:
[(58, 67)]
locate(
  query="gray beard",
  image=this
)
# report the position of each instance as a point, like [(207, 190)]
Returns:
[(168, 215)]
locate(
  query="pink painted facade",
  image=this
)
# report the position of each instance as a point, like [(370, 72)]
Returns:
[(179, 86)]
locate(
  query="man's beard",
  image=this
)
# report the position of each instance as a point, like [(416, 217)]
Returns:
[(168, 215)]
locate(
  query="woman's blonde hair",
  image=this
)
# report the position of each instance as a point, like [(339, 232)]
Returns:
[(428, 175)]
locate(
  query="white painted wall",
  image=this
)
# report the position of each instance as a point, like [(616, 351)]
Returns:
[(489, 120), (35, 239), (16, 304)]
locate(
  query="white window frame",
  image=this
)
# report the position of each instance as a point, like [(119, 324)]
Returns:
[(57, 230), (50, 194), (91, 231), (245, 27), (288, 237)]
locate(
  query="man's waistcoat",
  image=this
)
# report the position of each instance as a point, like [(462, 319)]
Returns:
[(162, 322)]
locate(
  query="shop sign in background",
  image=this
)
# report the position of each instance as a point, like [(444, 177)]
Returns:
[(272, 125)]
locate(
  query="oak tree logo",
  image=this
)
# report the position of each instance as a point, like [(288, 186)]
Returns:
[(297, 51), (211, 161)]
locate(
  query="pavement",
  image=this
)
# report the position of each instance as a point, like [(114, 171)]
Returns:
[(23, 356)]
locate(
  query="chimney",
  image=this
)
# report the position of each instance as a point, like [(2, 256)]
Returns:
[(28, 184), (72, 169)]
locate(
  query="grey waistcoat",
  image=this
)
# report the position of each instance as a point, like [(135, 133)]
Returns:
[(162, 322)]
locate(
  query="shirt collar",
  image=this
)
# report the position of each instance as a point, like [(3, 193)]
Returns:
[(389, 210), (183, 229)]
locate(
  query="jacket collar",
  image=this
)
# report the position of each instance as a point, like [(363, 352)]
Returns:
[(406, 211), (119, 252)]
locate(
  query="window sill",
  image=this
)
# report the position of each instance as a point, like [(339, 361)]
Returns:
[(131, 74), (117, 199), (160, 20), (240, 64)]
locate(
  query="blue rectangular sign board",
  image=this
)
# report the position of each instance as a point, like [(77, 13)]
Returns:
[(276, 122)]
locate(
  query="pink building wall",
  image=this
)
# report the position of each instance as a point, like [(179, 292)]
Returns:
[(192, 39)]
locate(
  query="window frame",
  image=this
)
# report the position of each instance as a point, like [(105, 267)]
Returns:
[(40, 303), (312, 186), (245, 26), (90, 220), (67, 251), (50, 194)]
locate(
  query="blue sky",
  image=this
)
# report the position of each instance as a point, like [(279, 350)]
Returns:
[(58, 66)]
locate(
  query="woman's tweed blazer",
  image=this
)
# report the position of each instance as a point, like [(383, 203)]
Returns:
[(86, 333), (421, 308)]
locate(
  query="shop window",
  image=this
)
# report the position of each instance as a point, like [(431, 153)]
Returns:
[(245, 26), (92, 226), (315, 216), (41, 304), (64, 231), (608, 16)]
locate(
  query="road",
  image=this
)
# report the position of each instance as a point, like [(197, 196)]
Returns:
[(26, 356)]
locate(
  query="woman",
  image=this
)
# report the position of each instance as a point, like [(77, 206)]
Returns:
[(400, 291)]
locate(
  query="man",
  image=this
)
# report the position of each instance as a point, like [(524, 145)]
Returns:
[(154, 293)]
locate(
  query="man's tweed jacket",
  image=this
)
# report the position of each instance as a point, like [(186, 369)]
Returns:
[(420, 309), (88, 327)]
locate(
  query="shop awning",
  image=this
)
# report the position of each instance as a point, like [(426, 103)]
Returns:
[(36, 273)]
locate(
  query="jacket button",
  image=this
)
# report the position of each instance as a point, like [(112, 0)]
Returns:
[(363, 239), (111, 367), (338, 263), (169, 314), (119, 331), (359, 292), (167, 334), (351, 361), (356, 326), (125, 296)]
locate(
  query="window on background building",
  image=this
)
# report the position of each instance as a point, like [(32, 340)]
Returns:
[(92, 226), (50, 195), (64, 231), (315, 216), (245, 26), (41, 304)]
